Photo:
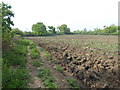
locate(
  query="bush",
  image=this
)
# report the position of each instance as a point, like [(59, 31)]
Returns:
[(17, 78), (13, 59), (34, 53), (15, 56), (32, 45), (20, 50), (48, 84), (23, 42), (14, 74)]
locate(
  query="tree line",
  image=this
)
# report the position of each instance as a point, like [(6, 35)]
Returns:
[(107, 30), (40, 29)]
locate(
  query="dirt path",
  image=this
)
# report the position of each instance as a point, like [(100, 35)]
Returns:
[(60, 78), (35, 80)]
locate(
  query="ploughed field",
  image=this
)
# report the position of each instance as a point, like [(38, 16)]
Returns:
[(92, 59)]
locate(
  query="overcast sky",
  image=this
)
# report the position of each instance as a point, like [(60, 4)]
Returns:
[(77, 14)]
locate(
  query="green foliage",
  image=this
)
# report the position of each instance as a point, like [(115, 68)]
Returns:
[(16, 31), (43, 73), (34, 53), (59, 68), (39, 29), (110, 30), (32, 45), (20, 50), (28, 33), (49, 56), (6, 17), (15, 56), (13, 70), (23, 42), (53, 60), (64, 29), (49, 84), (36, 63), (47, 78), (73, 83), (6, 22), (52, 30), (11, 78)]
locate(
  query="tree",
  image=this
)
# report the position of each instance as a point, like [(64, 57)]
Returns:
[(52, 29), (6, 18), (96, 31), (112, 29), (39, 29), (16, 31), (64, 29), (6, 24)]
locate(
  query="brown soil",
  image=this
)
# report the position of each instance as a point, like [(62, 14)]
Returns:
[(61, 77), (93, 67)]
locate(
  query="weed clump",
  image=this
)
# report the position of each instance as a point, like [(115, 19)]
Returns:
[(47, 78), (36, 63), (34, 53), (73, 83)]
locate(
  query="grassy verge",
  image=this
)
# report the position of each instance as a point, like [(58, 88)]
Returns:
[(14, 73), (14, 78)]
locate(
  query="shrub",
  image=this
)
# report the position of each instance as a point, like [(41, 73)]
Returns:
[(17, 78), (32, 45), (20, 50), (34, 53), (12, 59), (23, 42)]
